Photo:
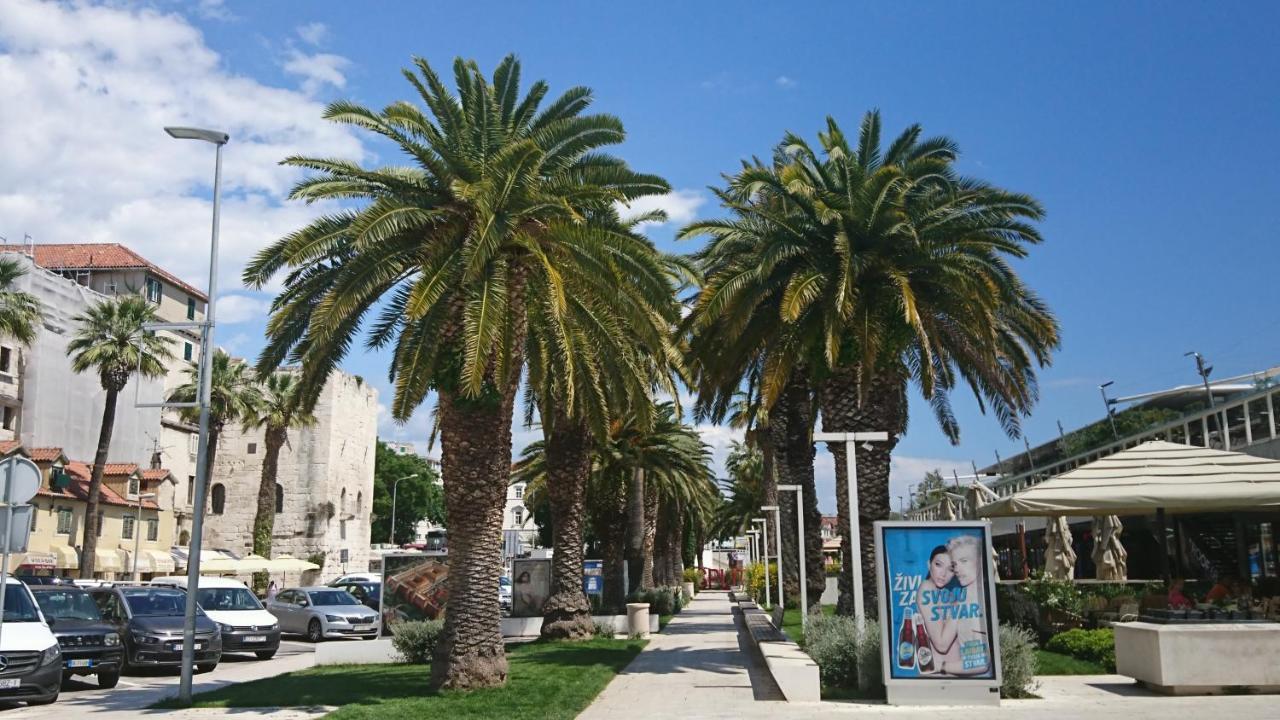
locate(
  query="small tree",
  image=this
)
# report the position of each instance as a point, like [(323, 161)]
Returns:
[(111, 342), (19, 311), (418, 498)]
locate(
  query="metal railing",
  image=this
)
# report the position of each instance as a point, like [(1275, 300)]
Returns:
[(1249, 419)]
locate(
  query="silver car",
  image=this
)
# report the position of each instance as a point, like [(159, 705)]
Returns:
[(323, 612)]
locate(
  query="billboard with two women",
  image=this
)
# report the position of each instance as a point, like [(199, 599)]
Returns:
[(937, 602)]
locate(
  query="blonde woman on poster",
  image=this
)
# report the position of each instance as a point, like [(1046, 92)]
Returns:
[(972, 641)]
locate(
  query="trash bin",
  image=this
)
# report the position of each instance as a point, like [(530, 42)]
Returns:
[(638, 619)]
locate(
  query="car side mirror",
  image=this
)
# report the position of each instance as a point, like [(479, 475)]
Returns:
[(50, 621), (305, 603)]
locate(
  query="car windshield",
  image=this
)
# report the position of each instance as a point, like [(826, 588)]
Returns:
[(155, 603), (333, 597), (18, 606), (67, 605), (504, 581), (227, 599)]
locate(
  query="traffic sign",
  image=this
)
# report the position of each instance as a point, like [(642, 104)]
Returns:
[(19, 480), (19, 530)]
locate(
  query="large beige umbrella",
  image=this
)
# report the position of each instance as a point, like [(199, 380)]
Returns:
[(253, 563), (220, 565), (948, 508), (288, 563), (1059, 556), (1109, 556)]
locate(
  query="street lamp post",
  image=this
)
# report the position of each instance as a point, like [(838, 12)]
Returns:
[(777, 545), (395, 488), (804, 580), (1106, 403), (137, 534), (764, 544), (851, 441), (218, 139)]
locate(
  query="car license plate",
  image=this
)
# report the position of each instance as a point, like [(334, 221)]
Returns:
[(9, 683), (177, 646), (79, 663), (363, 628), (256, 638)]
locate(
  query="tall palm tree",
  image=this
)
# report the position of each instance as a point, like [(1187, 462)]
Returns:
[(20, 312), (276, 413), (455, 250), (616, 346), (889, 269), (234, 397), (111, 342)]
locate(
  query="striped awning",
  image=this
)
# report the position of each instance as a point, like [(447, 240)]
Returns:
[(155, 561), (67, 557), (1153, 475), (110, 560)]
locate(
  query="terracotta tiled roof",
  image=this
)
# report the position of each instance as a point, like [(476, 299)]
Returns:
[(114, 469), (8, 446), (155, 474), (79, 488), (46, 454), (96, 256)]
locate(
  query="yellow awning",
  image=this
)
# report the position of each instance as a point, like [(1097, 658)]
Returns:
[(112, 560), (155, 561), (67, 557)]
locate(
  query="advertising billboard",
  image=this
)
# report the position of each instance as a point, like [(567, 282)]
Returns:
[(593, 577), (531, 586), (938, 612), (415, 587)]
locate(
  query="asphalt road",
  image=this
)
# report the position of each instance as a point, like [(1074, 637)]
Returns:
[(81, 697)]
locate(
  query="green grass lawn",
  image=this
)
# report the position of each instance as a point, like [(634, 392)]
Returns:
[(663, 620), (545, 680), (1052, 663), (794, 627)]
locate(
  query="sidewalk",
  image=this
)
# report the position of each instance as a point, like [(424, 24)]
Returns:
[(698, 668)]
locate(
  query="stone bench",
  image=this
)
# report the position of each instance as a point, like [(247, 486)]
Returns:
[(1200, 659), (795, 673)]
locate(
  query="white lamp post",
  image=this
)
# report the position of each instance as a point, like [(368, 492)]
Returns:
[(764, 545), (137, 534), (777, 545), (395, 487), (851, 441), (218, 139), (804, 580)]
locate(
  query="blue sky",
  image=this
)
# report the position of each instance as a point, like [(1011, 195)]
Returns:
[(1146, 129)]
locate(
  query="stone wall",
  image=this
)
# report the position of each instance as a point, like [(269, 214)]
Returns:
[(326, 474)]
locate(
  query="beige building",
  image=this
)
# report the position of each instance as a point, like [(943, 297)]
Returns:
[(137, 521), (324, 484)]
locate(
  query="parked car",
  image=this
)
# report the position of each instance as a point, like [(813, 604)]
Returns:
[(323, 612), (368, 593), (33, 580), (149, 621), (90, 645), (357, 577), (244, 624), (504, 594), (32, 670)]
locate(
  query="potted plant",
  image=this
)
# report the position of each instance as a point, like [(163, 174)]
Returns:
[(692, 578)]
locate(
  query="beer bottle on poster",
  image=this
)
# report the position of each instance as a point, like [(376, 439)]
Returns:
[(906, 644), (924, 649)]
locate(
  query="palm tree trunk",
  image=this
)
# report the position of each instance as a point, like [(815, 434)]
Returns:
[(264, 521), (475, 440), (635, 529), (650, 529), (611, 528), (567, 612), (89, 545), (791, 421), (879, 410), (765, 442), (661, 546)]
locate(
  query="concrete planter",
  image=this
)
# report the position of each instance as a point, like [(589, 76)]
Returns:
[(689, 591), (638, 619), (530, 627)]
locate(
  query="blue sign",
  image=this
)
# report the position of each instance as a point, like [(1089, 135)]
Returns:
[(593, 577), (936, 601)]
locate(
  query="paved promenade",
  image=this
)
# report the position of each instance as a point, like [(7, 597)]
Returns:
[(700, 667)]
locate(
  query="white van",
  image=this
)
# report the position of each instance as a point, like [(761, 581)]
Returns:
[(245, 625), (32, 667)]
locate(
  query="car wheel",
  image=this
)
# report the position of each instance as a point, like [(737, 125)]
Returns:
[(108, 680), (206, 667), (265, 654), (314, 632)]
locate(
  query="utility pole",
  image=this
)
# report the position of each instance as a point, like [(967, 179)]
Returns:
[(1204, 371), (851, 441), (1106, 403)]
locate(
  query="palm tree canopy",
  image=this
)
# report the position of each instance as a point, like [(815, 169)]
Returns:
[(744, 491), (488, 222), (878, 259), (20, 312), (278, 404), (111, 341), (234, 393)]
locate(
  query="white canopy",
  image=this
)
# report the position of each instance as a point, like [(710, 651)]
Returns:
[(1153, 475)]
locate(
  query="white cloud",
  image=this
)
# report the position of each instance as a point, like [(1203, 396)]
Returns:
[(233, 309), (86, 159), (317, 71), (681, 206), (214, 10), (785, 82), (313, 33), (721, 439)]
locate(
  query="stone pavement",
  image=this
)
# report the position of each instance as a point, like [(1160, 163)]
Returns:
[(701, 667)]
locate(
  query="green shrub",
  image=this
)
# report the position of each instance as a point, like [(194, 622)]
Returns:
[(677, 600), (661, 600), (1097, 646), (1017, 662), (604, 630), (1050, 594), (833, 569), (1017, 608), (870, 673), (693, 575), (754, 581), (415, 640), (832, 642)]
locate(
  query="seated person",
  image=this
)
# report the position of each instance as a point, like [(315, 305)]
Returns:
[(1225, 588), (1178, 601)]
